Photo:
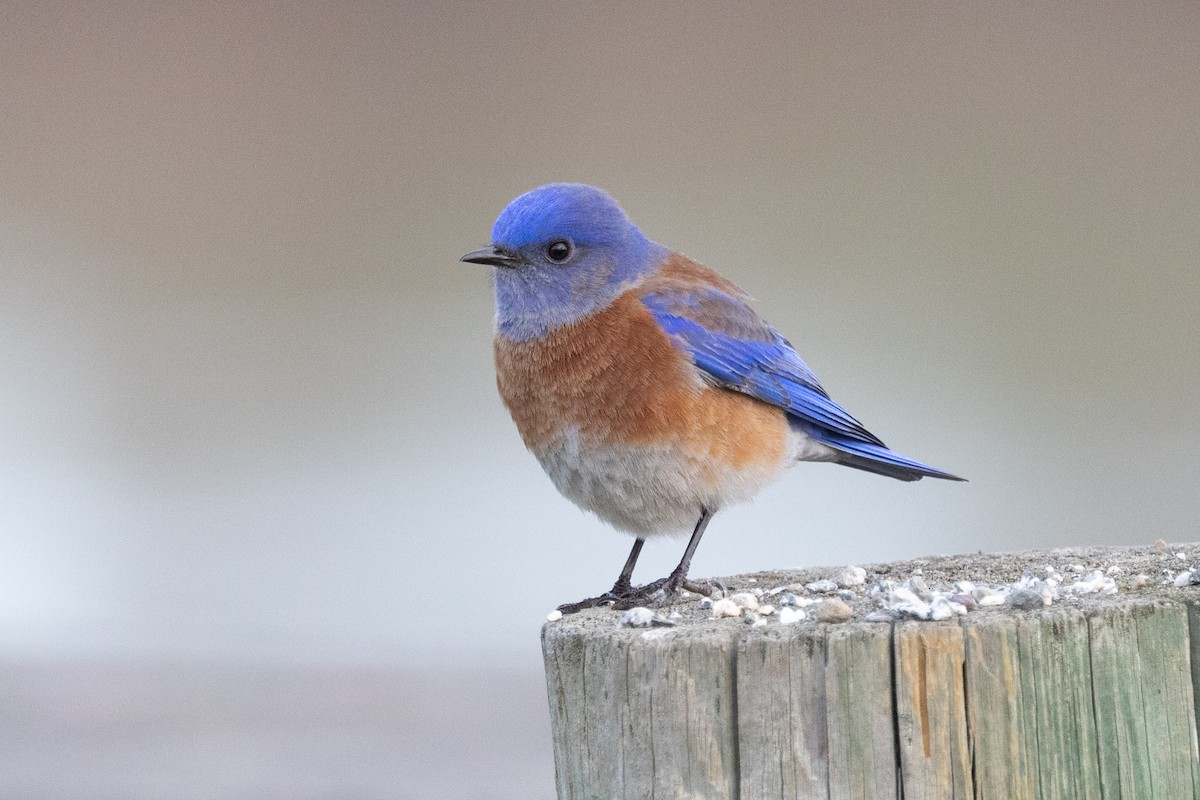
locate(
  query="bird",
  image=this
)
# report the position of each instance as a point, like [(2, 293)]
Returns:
[(649, 390)]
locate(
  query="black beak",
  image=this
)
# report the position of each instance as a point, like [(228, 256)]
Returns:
[(491, 256)]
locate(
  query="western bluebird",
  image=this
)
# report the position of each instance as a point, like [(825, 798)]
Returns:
[(650, 392)]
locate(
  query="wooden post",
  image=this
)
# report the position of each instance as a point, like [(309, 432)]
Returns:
[(1090, 697)]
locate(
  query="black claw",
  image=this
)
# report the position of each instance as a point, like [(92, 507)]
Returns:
[(660, 593), (591, 602)]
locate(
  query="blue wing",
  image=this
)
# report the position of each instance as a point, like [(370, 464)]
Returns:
[(737, 350)]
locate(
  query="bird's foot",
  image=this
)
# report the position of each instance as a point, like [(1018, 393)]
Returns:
[(606, 599), (662, 592), (700, 587), (657, 594)]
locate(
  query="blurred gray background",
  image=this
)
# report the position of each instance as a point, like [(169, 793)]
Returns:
[(266, 529)]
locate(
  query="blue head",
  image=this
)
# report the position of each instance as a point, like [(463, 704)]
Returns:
[(560, 253)]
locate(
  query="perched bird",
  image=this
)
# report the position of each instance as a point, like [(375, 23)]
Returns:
[(650, 392)]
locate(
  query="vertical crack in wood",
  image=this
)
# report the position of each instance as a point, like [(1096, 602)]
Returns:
[(923, 691), (791, 702), (897, 747), (1137, 632), (1193, 634), (970, 648), (1095, 714), (825, 638), (966, 696), (583, 687), (733, 715)]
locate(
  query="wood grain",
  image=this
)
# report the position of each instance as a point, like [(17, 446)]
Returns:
[(1085, 700)]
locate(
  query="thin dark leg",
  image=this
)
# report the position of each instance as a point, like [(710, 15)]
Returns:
[(661, 592), (621, 590), (678, 576), (625, 579)]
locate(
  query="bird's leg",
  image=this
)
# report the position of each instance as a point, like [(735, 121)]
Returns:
[(664, 590), (661, 592), (678, 577), (625, 580), (621, 590)]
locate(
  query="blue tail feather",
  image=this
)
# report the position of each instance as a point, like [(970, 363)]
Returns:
[(879, 459)]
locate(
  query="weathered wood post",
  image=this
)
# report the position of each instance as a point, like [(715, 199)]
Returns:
[(1090, 696)]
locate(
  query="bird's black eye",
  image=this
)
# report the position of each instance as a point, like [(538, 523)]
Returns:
[(559, 250)]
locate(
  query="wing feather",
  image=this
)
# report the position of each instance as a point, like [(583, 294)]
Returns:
[(734, 348)]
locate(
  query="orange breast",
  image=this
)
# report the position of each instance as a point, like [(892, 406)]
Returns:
[(617, 379)]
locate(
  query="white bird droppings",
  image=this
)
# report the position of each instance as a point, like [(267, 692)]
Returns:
[(745, 600), (789, 615), (641, 617), (991, 599), (941, 609), (725, 608)]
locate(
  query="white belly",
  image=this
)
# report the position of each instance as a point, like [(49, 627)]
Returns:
[(655, 490)]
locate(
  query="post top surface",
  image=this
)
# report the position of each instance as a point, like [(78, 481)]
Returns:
[(1077, 580)]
